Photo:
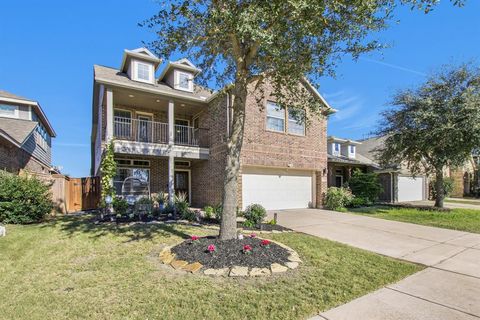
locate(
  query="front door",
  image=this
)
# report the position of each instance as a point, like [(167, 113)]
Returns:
[(144, 128), (182, 183)]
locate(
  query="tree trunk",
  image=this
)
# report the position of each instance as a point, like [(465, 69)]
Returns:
[(439, 188), (228, 225)]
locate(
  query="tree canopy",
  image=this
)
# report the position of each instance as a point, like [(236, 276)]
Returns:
[(246, 42), (435, 125)]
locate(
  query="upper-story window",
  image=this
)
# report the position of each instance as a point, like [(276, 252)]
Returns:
[(337, 147), (183, 81), (143, 71), (8, 111), (275, 117), (296, 122), (351, 151)]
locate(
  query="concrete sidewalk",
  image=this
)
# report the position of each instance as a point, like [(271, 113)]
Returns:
[(448, 289)]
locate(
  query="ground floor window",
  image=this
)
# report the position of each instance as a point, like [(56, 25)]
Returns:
[(132, 168)]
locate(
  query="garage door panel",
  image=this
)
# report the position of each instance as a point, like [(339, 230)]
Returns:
[(277, 191), (410, 189)]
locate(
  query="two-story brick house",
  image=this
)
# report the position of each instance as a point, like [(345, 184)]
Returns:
[(25, 135), (172, 133)]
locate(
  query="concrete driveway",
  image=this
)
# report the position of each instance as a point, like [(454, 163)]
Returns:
[(448, 289)]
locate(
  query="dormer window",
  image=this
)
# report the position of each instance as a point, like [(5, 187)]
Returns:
[(142, 71), (183, 81), (351, 151)]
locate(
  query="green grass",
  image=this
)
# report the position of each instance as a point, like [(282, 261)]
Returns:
[(456, 219), (464, 201), (72, 269)]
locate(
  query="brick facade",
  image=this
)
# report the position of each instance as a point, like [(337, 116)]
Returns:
[(14, 159), (261, 148)]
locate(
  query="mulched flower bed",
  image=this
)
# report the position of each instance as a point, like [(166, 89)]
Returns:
[(264, 227), (230, 253)]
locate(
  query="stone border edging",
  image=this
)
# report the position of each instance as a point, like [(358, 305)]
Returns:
[(168, 258)]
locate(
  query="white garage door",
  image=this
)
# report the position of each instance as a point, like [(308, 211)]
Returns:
[(280, 189), (410, 189)]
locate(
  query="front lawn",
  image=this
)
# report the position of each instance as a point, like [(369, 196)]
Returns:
[(456, 219), (70, 268)]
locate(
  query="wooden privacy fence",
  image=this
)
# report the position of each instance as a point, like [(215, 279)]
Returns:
[(71, 194), (83, 193)]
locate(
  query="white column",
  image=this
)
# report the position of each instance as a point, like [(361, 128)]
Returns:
[(109, 118), (171, 159), (171, 177), (171, 122)]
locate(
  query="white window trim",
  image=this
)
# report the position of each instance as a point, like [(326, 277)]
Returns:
[(286, 121), (176, 81), (135, 71), (275, 117), (16, 112), (294, 133)]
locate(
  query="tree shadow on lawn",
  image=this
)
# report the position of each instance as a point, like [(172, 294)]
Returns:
[(78, 224)]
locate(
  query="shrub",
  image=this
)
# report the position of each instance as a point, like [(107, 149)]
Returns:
[(23, 199), (365, 185), (358, 202), (217, 211), (338, 198), (181, 203), (189, 215), (448, 185), (208, 212), (255, 213), (120, 205)]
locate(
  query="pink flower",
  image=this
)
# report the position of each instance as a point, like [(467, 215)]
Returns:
[(253, 235), (194, 238), (247, 248), (211, 248), (265, 242)]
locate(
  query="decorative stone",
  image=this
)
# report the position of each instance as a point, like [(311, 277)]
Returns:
[(216, 272), (167, 258), (294, 257), (276, 231), (259, 272), (292, 265), (178, 264), (277, 268), (237, 271), (164, 251), (193, 267)]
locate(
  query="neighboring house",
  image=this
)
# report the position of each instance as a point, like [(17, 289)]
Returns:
[(398, 184), (25, 135), (172, 133), (465, 178), (343, 158)]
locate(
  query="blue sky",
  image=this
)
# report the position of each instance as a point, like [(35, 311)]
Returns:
[(48, 49)]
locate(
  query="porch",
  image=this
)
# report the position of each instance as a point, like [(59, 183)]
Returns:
[(163, 176)]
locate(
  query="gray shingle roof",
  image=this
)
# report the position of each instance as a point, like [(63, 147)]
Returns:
[(16, 129), (369, 146), (6, 94), (114, 75)]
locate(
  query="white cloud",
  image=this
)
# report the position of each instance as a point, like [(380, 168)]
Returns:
[(394, 66)]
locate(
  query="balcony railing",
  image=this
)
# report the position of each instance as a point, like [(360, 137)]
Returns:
[(157, 132)]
